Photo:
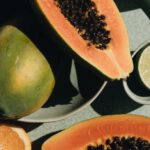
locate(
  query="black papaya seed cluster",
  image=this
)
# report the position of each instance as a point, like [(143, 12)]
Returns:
[(123, 143), (83, 15)]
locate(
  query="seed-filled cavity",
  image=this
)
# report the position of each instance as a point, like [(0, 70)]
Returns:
[(123, 143), (91, 25)]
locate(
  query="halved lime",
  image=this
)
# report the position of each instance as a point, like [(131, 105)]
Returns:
[(144, 67)]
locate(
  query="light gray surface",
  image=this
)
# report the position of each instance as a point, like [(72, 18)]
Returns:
[(138, 27)]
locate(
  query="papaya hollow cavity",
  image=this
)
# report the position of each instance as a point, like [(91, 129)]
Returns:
[(90, 24)]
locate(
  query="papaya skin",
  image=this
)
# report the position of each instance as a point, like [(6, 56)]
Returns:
[(26, 78), (95, 131)]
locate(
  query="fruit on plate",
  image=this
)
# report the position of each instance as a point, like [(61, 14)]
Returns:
[(143, 67), (13, 138), (93, 31), (26, 79), (114, 132)]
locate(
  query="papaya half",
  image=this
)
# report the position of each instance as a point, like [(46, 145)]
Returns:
[(114, 132), (93, 31)]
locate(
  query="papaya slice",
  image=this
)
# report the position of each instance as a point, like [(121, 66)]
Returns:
[(102, 45), (116, 132)]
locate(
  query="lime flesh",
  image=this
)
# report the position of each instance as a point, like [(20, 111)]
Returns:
[(144, 67)]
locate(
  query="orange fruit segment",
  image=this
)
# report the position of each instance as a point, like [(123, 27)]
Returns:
[(13, 138)]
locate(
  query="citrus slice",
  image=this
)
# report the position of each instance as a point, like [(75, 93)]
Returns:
[(144, 67), (13, 138)]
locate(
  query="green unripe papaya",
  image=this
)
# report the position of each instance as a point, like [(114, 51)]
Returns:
[(26, 78)]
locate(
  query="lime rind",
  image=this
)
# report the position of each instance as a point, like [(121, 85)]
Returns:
[(144, 67)]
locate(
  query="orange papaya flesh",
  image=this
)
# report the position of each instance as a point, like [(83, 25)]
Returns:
[(102, 131), (115, 61)]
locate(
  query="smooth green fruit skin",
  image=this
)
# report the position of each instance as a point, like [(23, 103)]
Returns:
[(26, 78)]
